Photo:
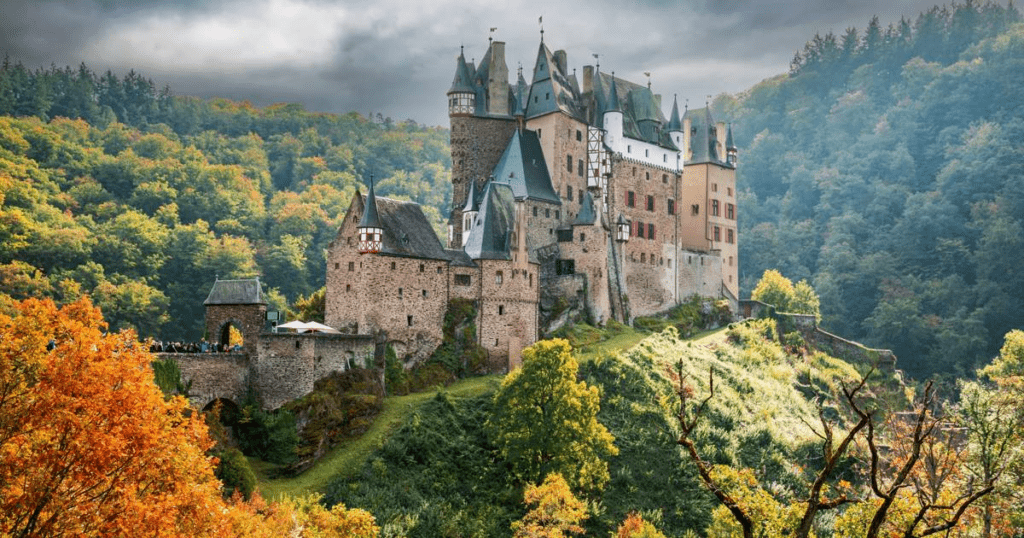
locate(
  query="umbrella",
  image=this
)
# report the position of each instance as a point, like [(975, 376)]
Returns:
[(298, 326), (320, 327)]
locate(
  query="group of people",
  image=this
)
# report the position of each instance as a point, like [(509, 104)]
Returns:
[(193, 347)]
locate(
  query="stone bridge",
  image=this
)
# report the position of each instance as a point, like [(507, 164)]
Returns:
[(285, 367)]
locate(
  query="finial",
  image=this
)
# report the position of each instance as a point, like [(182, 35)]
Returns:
[(707, 100), (597, 60), (648, 74), (540, 21), (686, 104)]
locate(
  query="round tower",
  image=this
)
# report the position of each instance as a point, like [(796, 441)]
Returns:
[(461, 96)]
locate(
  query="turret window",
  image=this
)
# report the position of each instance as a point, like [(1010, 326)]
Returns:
[(498, 277)]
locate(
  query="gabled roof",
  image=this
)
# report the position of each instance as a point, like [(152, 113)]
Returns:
[(640, 108), (407, 232), (235, 292), (491, 236), (523, 168), (587, 215)]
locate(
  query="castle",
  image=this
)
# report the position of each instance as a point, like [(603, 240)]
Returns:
[(568, 195)]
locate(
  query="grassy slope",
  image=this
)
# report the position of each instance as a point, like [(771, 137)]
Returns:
[(347, 458)]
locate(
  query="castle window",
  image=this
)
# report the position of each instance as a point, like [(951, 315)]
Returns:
[(547, 212), (399, 293), (629, 149), (351, 266), (650, 230), (547, 95), (650, 203), (565, 236), (664, 178), (348, 287), (728, 190), (714, 187), (424, 294), (538, 130), (647, 153), (439, 269), (498, 277), (630, 199), (730, 211), (392, 266), (495, 342), (664, 159), (534, 211), (579, 135), (729, 237), (568, 192), (579, 168), (639, 229), (583, 237), (581, 195), (298, 344), (408, 320), (730, 261), (647, 176), (718, 233), (565, 267), (643, 257), (695, 208), (671, 206), (558, 214), (714, 208), (422, 268), (463, 280), (337, 265), (501, 310), (531, 280), (568, 162)]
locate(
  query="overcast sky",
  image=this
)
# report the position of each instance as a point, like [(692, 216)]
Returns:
[(397, 57)]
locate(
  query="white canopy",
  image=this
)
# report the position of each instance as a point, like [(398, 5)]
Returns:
[(310, 326)]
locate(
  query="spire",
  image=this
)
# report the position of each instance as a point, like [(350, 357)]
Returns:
[(462, 80), (674, 124), (729, 144), (471, 201), (371, 232), (613, 97)]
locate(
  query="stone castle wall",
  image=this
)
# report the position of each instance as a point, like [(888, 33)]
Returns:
[(213, 375), (288, 365), (247, 318), (507, 321)]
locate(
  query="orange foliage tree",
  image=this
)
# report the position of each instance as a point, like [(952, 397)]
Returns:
[(557, 513), (90, 447)]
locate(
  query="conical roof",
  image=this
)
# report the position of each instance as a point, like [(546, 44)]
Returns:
[(613, 98), (674, 123), (729, 144), (462, 83), (471, 202), (587, 215), (370, 218)]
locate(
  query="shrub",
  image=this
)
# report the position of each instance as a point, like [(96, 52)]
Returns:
[(236, 474)]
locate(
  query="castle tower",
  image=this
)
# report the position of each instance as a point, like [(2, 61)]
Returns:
[(480, 111), (239, 304), (370, 231)]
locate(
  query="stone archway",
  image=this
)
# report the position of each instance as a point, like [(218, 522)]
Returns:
[(230, 411), (223, 335)]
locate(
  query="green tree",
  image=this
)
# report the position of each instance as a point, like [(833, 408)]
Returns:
[(546, 422), (779, 291)]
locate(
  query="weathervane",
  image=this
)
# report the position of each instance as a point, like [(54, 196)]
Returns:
[(648, 73), (540, 21), (597, 60), (490, 37)]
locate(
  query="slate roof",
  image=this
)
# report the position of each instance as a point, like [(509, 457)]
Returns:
[(235, 292), (523, 168), (370, 217), (491, 236), (703, 143), (642, 118), (674, 123), (459, 257), (551, 90), (407, 232), (462, 81), (587, 215)]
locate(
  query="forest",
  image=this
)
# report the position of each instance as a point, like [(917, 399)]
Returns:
[(886, 169), (141, 199)]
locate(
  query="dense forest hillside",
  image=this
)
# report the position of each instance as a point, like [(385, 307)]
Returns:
[(143, 198), (887, 169)]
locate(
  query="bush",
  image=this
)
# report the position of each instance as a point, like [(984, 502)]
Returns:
[(267, 435), (235, 473)]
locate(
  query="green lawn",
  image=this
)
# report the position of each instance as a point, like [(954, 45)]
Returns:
[(347, 458)]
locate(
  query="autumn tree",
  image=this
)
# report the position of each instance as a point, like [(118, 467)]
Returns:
[(779, 291), (88, 444), (556, 512), (545, 421), (634, 526)]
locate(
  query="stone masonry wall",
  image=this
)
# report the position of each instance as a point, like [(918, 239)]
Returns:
[(508, 310), (248, 319), (213, 375), (289, 364)]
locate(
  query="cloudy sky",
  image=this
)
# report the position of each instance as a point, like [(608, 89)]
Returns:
[(397, 57)]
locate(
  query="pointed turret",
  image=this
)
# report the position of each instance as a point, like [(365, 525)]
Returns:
[(462, 95), (675, 125), (370, 229), (612, 122), (613, 98), (730, 149)]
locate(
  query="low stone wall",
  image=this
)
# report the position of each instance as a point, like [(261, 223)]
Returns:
[(845, 349)]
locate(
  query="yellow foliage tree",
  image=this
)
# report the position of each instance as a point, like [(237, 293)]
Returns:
[(634, 526), (557, 512)]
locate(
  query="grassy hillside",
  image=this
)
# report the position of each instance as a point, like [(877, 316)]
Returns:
[(429, 469)]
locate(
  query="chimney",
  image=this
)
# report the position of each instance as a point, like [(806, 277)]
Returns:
[(588, 79), (561, 60), (497, 86)]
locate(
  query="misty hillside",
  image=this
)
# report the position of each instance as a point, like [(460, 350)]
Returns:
[(887, 169)]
